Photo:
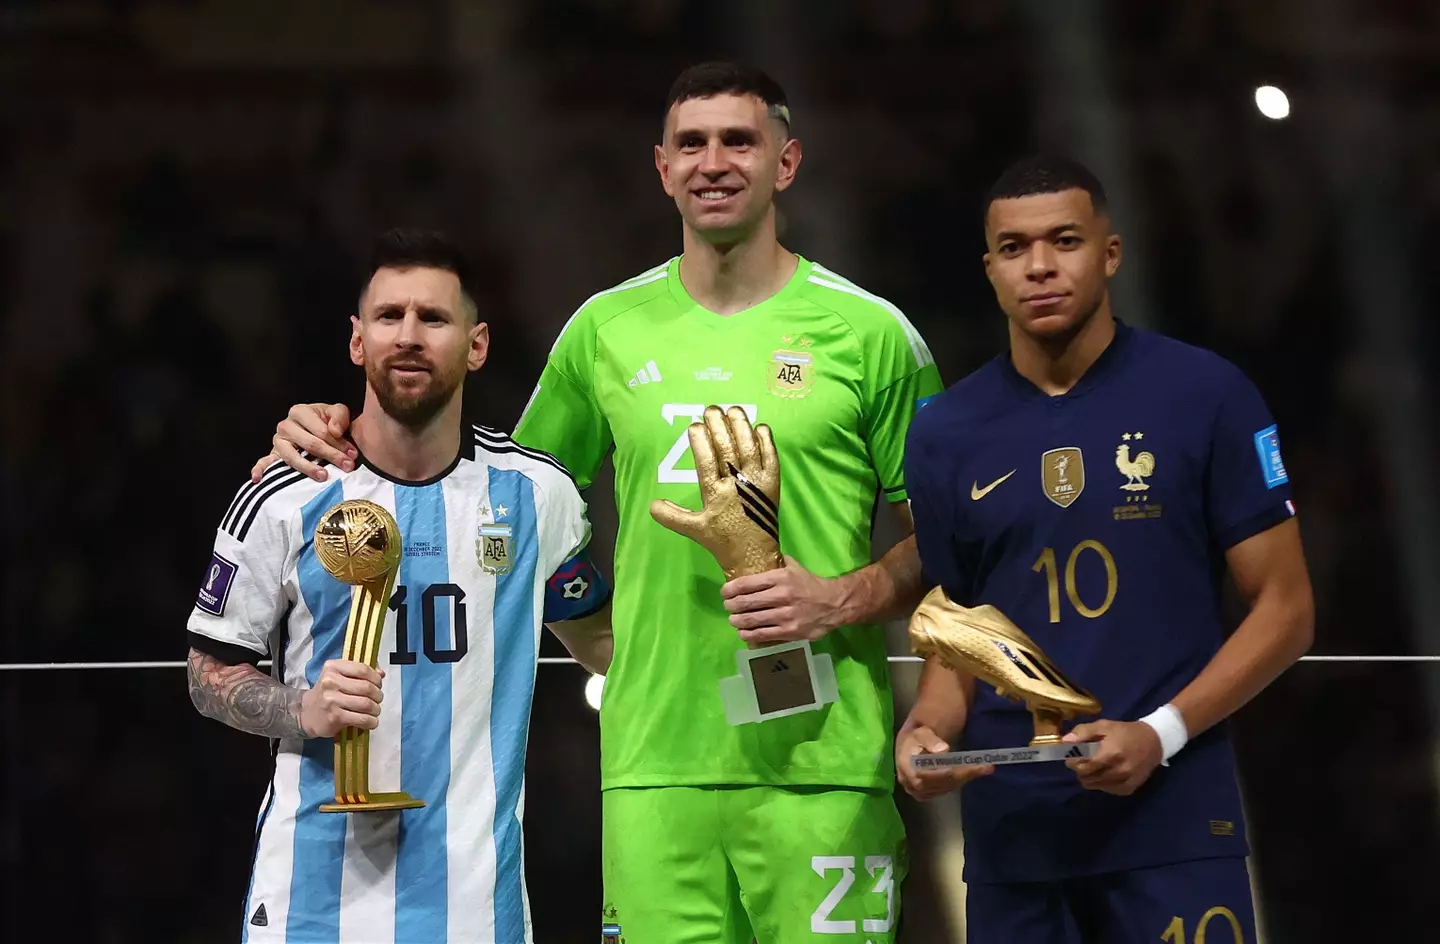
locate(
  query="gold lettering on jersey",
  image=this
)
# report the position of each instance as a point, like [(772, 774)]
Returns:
[(1135, 470), (1062, 474), (1140, 510), (492, 548), (792, 372)]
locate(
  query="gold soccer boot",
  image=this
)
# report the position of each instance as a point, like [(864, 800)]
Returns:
[(984, 643)]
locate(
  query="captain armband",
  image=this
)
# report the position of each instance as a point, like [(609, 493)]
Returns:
[(576, 589)]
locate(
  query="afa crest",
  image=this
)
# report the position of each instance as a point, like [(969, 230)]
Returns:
[(492, 542), (1062, 474), (792, 373), (610, 930)]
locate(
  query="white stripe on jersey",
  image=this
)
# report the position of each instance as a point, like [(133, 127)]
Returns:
[(275, 854), (470, 824), (830, 280), (274, 863), (367, 880)]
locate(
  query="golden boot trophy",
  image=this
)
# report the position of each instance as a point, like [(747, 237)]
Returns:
[(739, 475), (982, 642), (358, 542)]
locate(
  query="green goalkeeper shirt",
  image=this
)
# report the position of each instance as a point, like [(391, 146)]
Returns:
[(837, 373)]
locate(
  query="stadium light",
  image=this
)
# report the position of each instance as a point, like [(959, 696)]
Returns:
[(1272, 102), (593, 688)]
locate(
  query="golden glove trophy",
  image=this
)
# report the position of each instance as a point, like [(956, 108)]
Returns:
[(982, 642), (358, 542), (739, 475)]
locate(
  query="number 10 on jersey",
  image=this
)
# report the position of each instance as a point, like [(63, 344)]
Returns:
[(1047, 563)]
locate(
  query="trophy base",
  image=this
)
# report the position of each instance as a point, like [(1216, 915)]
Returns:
[(1005, 755), (778, 681), (374, 803)]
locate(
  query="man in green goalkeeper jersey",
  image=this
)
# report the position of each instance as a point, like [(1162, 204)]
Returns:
[(784, 829)]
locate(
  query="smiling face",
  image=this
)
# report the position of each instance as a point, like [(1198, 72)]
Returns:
[(722, 161), (417, 337), (1049, 258)]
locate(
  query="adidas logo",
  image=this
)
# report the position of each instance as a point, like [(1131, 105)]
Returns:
[(259, 919), (1074, 752), (647, 374)]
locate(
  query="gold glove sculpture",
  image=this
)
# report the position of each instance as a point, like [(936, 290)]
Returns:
[(983, 642), (739, 475)]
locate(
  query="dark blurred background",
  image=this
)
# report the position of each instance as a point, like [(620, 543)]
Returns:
[(188, 186)]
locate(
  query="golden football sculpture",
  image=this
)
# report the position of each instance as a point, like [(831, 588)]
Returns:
[(359, 543), (981, 641), (739, 475)]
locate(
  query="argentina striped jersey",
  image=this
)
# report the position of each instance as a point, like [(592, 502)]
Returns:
[(461, 638)]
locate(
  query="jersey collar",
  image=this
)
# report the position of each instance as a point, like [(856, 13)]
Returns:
[(1114, 354), (466, 451), (693, 308)]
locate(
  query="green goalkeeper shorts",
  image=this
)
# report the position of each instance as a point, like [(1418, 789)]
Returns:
[(728, 865)]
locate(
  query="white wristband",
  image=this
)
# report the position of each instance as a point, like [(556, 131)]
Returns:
[(1169, 724)]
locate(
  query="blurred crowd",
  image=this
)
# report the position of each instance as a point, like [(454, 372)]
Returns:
[(189, 188)]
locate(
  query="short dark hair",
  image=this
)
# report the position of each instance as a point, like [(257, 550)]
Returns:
[(708, 79), (1044, 173), (402, 248)]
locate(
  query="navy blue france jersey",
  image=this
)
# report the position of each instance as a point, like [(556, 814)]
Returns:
[(1098, 522)]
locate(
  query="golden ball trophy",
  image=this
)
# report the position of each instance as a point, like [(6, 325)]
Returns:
[(358, 543), (982, 642), (739, 475)]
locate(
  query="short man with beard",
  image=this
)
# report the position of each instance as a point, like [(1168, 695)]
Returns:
[(487, 527)]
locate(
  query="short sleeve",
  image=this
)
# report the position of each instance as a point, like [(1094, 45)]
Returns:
[(905, 378), (563, 416), (1247, 488), (932, 509), (575, 587), (241, 597)]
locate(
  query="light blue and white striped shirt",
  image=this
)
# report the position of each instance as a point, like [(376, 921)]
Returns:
[(459, 650)]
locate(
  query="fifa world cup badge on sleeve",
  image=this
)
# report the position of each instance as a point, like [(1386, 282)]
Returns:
[(982, 642), (216, 589), (739, 475), (358, 543)]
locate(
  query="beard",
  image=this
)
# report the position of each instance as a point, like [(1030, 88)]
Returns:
[(415, 404)]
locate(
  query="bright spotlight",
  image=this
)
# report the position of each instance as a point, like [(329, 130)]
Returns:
[(1272, 102), (593, 688)]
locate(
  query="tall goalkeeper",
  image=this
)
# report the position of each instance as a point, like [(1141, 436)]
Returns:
[(726, 817)]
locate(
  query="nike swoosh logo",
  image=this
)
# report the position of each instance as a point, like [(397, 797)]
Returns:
[(977, 493)]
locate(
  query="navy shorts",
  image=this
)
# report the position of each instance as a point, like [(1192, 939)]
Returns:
[(1206, 901)]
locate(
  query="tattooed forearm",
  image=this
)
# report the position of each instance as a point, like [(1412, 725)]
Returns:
[(244, 697)]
